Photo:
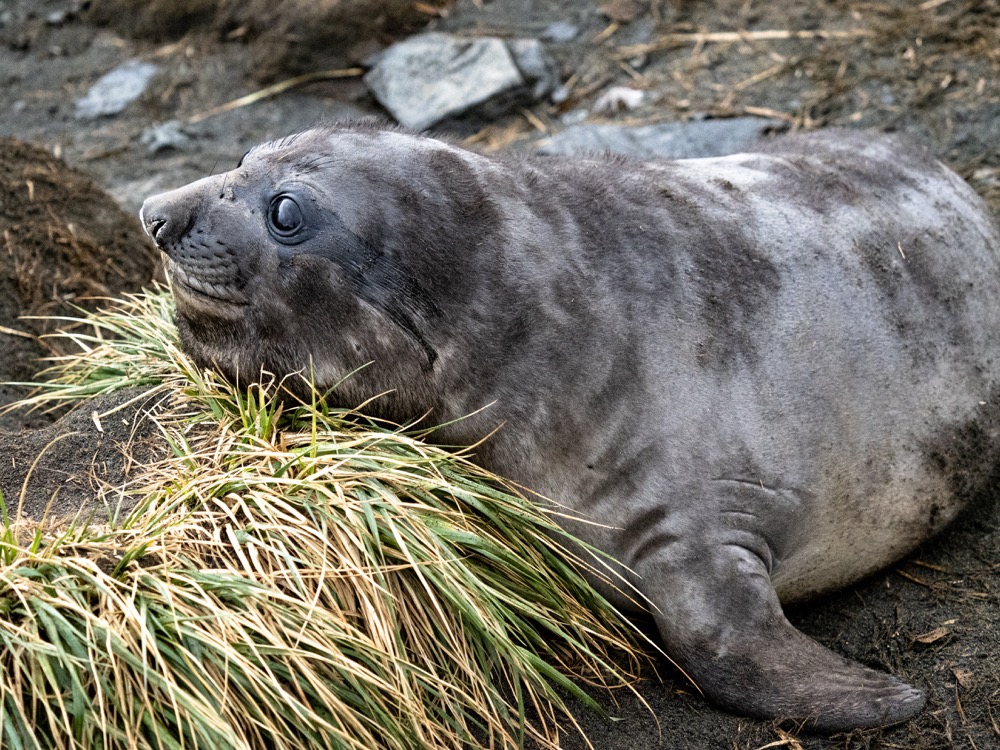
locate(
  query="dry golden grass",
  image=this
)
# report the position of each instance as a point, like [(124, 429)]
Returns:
[(293, 576)]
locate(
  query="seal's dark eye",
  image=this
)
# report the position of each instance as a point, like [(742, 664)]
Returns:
[(285, 216)]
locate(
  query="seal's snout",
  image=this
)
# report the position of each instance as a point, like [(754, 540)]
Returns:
[(201, 263), (165, 219)]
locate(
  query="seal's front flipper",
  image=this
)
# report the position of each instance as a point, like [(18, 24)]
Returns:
[(721, 621)]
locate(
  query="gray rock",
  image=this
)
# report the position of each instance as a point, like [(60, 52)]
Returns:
[(431, 77), (560, 31), (573, 117), (535, 66), (165, 136), (116, 90), (640, 31), (672, 140), (560, 94)]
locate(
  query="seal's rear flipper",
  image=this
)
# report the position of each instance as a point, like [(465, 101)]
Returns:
[(721, 621)]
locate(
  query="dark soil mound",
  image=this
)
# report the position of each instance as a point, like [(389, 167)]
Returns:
[(79, 465), (64, 240), (157, 20), (287, 38)]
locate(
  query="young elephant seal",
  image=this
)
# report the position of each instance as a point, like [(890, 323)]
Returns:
[(765, 375)]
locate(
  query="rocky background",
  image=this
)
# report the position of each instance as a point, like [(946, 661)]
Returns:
[(124, 99)]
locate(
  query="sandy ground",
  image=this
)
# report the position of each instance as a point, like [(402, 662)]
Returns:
[(931, 69)]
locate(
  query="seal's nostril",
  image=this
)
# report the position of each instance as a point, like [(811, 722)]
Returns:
[(166, 218), (153, 220), (159, 218), (155, 226)]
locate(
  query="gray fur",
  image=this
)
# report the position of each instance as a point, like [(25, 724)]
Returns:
[(767, 375)]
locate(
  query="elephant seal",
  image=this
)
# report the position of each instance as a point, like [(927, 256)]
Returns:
[(765, 376)]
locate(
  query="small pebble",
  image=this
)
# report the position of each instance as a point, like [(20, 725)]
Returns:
[(165, 136), (559, 94), (617, 99), (560, 31)]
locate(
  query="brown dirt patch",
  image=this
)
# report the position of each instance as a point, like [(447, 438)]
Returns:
[(286, 37), (80, 465), (64, 242)]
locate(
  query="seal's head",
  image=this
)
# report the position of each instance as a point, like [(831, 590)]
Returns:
[(313, 254)]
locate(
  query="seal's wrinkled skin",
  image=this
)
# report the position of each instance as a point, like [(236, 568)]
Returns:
[(766, 375)]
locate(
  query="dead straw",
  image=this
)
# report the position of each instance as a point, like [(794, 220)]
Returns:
[(274, 89), (699, 39), (293, 576)]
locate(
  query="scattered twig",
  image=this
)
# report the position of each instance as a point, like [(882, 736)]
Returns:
[(913, 578), (768, 112), (958, 706), (787, 740), (15, 332), (171, 49), (104, 153), (535, 121), (631, 72), (928, 565), (430, 10), (932, 4), (763, 75), (748, 82), (273, 90), (723, 37), (608, 31)]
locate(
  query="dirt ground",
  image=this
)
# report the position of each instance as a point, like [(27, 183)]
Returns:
[(928, 68)]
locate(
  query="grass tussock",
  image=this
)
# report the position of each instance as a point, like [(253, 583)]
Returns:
[(293, 576)]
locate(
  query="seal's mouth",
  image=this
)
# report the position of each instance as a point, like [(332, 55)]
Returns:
[(192, 286)]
